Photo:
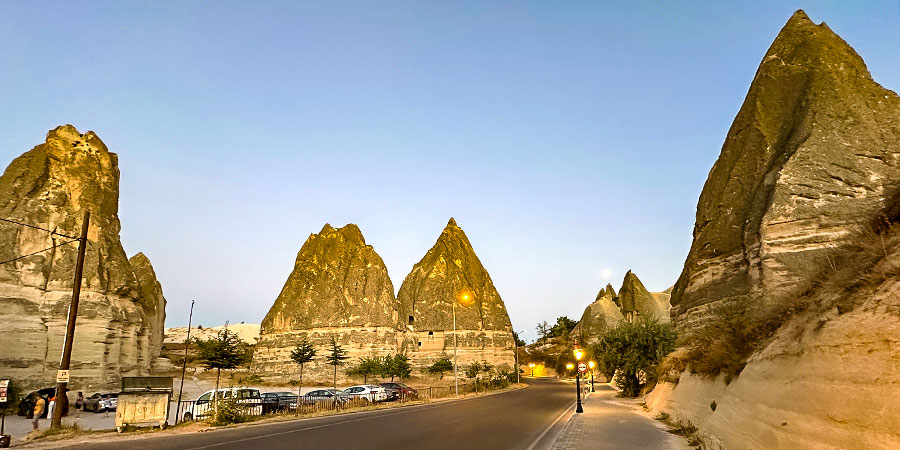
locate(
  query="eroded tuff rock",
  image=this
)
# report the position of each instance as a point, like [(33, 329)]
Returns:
[(152, 301), (810, 160), (339, 288), (799, 212), (449, 269), (50, 186), (609, 308), (599, 317), (635, 300)]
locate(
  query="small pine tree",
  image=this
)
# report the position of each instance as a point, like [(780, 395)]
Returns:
[(440, 366), (336, 357), (369, 365), (225, 351), (304, 353)]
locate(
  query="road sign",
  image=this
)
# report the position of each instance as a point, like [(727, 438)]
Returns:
[(582, 367), (4, 385), (62, 376)]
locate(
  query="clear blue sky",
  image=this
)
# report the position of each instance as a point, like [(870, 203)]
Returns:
[(570, 141)]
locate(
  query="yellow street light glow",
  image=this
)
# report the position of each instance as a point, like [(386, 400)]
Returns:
[(578, 354), (530, 364), (465, 298), (591, 364), (570, 366)]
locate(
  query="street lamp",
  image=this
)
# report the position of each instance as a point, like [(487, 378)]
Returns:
[(531, 366), (465, 299), (578, 355), (591, 364)]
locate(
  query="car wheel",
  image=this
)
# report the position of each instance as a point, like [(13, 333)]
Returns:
[(188, 417)]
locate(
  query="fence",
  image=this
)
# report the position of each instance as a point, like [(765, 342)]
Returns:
[(200, 410)]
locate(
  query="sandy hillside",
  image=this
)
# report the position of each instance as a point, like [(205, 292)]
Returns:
[(248, 332)]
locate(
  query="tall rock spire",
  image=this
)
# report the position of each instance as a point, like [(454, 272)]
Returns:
[(339, 289), (50, 187), (810, 156), (449, 270)]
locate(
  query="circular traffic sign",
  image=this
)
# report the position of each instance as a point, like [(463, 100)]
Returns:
[(582, 367)]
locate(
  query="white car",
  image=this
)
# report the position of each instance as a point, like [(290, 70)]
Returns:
[(203, 406), (368, 392)]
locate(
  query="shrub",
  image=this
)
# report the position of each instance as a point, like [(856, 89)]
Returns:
[(230, 411), (633, 350)]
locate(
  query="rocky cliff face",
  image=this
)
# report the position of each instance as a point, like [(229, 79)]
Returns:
[(339, 288), (447, 272), (796, 244), (811, 156), (49, 187)]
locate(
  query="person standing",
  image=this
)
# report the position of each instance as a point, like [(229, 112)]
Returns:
[(38, 410), (50, 408), (79, 404)]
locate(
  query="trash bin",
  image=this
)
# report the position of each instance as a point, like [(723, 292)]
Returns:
[(144, 401)]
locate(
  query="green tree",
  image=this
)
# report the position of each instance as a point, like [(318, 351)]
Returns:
[(543, 330), (401, 367), (336, 357), (369, 365), (473, 370), (302, 354), (634, 348), (563, 327), (440, 366), (224, 351)]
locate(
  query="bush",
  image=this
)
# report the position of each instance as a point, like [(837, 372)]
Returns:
[(230, 411), (440, 366), (632, 351)]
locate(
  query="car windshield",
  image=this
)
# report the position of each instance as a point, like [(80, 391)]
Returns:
[(204, 397), (248, 393)]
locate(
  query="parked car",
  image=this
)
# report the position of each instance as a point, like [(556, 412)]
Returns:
[(26, 405), (323, 396), (278, 401), (203, 406), (403, 391), (101, 402), (368, 392)]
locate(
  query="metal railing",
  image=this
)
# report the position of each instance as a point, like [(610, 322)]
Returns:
[(192, 410)]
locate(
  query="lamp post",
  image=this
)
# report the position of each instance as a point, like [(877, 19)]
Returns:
[(578, 355), (531, 366), (591, 364), (463, 298)]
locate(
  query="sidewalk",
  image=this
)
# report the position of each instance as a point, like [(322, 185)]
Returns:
[(608, 423)]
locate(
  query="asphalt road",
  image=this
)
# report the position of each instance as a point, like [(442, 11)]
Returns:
[(522, 419)]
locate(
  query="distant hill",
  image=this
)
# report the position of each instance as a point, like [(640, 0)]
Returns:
[(247, 332)]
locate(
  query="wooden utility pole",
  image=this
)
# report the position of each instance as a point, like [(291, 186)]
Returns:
[(70, 325), (187, 343)]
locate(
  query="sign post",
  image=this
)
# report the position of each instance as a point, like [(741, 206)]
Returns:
[(4, 398)]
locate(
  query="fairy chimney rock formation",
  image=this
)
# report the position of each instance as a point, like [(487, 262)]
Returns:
[(810, 160), (599, 317), (339, 289), (151, 300), (791, 281), (50, 187), (635, 300), (449, 273)]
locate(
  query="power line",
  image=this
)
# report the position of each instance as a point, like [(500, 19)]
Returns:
[(39, 251), (38, 228)]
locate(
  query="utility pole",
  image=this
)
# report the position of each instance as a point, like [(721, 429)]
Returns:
[(455, 370), (70, 325), (187, 343)]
